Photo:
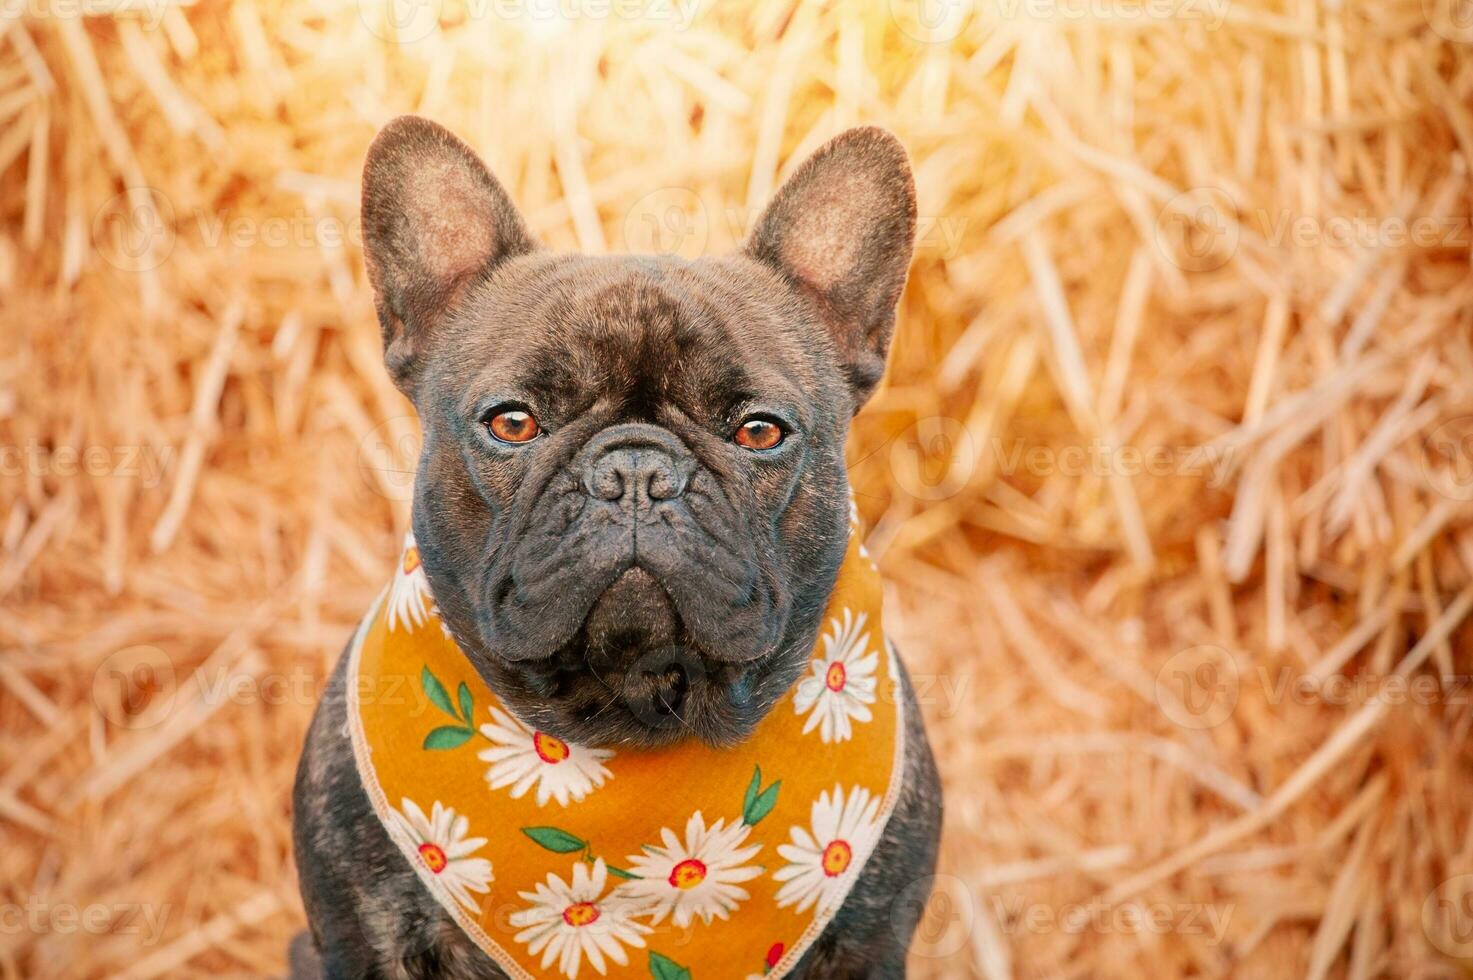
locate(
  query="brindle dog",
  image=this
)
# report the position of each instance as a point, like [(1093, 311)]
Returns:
[(631, 503)]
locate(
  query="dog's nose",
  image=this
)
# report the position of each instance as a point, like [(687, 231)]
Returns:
[(634, 472), (636, 464)]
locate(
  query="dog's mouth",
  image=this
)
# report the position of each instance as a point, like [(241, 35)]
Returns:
[(632, 616), (634, 674)]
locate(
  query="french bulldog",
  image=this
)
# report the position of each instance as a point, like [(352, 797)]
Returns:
[(623, 456)]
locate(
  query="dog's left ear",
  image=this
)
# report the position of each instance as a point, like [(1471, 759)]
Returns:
[(841, 229)]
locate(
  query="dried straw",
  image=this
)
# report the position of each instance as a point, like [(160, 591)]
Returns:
[(1164, 462)]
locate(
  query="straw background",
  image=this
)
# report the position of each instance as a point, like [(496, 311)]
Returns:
[(1165, 454)]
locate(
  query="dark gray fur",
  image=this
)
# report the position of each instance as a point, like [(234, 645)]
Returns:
[(632, 576)]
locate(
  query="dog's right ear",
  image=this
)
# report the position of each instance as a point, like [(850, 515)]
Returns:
[(434, 221)]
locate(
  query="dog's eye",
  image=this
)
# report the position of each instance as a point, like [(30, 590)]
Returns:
[(759, 433), (513, 425)]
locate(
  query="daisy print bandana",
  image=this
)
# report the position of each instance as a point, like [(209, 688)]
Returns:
[(678, 863)]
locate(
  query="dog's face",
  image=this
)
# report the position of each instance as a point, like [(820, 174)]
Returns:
[(631, 503)]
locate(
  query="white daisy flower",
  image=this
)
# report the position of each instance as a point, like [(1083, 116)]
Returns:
[(445, 849), (698, 877), (841, 684), (522, 758), (409, 595), (567, 922), (821, 864)]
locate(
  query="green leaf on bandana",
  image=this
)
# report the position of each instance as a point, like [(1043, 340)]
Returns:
[(664, 968), (555, 840), (466, 704), (436, 692), (448, 737), (761, 806), (620, 872), (752, 789)]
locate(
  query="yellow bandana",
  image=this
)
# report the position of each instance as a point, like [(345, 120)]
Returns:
[(678, 862)]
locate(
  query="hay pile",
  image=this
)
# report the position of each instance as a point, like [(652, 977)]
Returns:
[(1170, 478)]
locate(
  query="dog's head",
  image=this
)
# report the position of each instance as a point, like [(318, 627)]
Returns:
[(631, 503)]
